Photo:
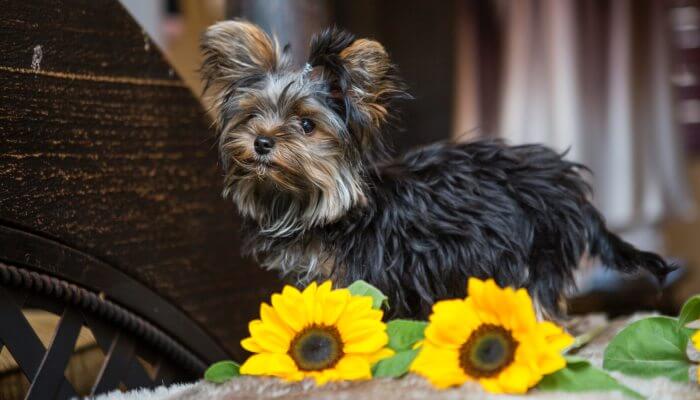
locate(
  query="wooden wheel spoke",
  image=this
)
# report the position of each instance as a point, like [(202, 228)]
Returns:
[(115, 365), (19, 337), (120, 364), (137, 376), (23, 343), (48, 382)]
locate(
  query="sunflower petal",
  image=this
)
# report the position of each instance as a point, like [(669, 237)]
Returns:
[(250, 345), (334, 306), (309, 296), (357, 331), (353, 368), (550, 363), (360, 307), (439, 366), (368, 344), (475, 287), (554, 335), (448, 379), (434, 360), (287, 306), (323, 377), (516, 379), (270, 364), (267, 338), (319, 301), (451, 323), (272, 320), (523, 313), (492, 302), (381, 354)]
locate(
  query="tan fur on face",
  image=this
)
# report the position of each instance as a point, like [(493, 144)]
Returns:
[(310, 169)]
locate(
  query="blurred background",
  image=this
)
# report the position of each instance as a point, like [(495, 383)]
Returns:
[(616, 82)]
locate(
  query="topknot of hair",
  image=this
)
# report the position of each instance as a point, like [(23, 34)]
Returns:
[(330, 42)]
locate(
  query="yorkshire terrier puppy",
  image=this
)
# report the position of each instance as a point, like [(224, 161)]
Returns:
[(305, 163)]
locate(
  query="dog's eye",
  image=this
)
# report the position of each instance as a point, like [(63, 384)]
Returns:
[(307, 125)]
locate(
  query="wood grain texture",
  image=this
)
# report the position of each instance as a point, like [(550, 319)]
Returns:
[(103, 148)]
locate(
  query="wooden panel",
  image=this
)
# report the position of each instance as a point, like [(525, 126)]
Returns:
[(104, 149)]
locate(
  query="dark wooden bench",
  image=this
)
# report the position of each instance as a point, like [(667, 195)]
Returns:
[(110, 208)]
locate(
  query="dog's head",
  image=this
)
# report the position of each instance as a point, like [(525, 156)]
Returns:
[(295, 142)]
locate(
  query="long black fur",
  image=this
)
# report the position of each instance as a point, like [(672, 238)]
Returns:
[(446, 212)]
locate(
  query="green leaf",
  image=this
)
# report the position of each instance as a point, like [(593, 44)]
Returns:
[(362, 288), (650, 347), (222, 371), (404, 333), (394, 366), (580, 376), (690, 311)]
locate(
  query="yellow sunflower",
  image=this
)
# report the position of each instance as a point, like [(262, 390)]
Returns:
[(319, 333), (492, 337)]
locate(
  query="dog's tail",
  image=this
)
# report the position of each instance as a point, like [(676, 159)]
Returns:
[(617, 254)]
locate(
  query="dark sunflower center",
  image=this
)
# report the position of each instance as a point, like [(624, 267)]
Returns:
[(316, 348), (489, 350)]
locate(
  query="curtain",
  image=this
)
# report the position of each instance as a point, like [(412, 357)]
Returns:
[(589, 76)]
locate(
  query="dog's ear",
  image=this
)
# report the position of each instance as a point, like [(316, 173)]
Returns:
[(236, 54), (361, 77)]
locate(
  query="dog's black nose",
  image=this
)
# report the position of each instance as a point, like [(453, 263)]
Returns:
[(263, 144)]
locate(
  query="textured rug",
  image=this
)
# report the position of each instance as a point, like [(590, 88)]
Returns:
[(413, 387)]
